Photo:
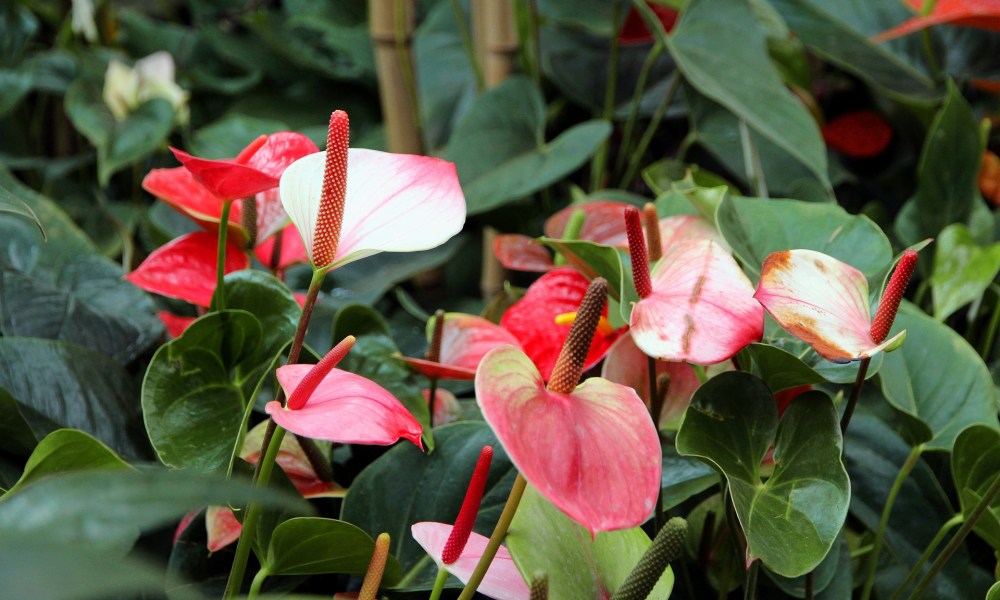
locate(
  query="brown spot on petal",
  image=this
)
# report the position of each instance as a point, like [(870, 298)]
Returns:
[(696, 293), (688, 333), (805, 330), (778, 261), (819, 265)]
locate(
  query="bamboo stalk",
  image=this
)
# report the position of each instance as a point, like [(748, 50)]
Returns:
[(391, 27), (496, 34)]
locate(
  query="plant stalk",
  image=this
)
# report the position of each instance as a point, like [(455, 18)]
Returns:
[(439, 581), (855, 395), (938, 538), (470, 51), (647, 135), (499, 532), (750, 587), (600, 161), (633, 115), (219, 300), (656, 406), (256, 584)]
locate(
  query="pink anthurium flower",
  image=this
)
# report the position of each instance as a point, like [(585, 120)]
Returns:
[(502, 581), (294, 462), (329, 404), (824, 303), (222, 526), (372, 201), (446, 406), (185, 268), (522, 253), (697, 306), (465, 339), (533, 319)]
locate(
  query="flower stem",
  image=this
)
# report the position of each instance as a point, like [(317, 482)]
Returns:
[(656, 406), (256, 584), (855, 394), (463, 31), (633, 115), (600, 162), (750, 587), (938, 538), (647, 135), (499, 532), (219, 300), (958, 539), (883, 524), (439, 582)]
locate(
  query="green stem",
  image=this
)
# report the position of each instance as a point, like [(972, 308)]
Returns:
[(855, 395), (499, 532), (600, 162), (633, 114), (439, 582), (883, 524), (938, 538), (654, 124), (958, 539), (750, 587), (470, 51), (751, 162), (987, 345), (219, 300), (258, 581)]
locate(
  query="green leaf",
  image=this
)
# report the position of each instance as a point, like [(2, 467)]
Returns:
[(12, 205), (684, 477), (16, 436), (53, 220), (962, 270), (405, 486), (755, 228), (543, 539), (596, 260), (947, 176), (446, 84), (833, 576), (937, 380), (792, 519), (192, 408), (719, 48), (994, 592), (119, 143), (874, 454), (313, 546), (108, 509), (780, 370), (975, 465), (499, 149), (60, 384), (67, 450)]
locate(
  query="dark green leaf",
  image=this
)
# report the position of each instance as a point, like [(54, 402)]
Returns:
[(975, 465), (684, 477), (11, 204), (543, 539), (446, 84), (835, 566), (226, 136), (313, 546), (405, 486), (779, 369), (67, 450), (53, 220), (962, 270)]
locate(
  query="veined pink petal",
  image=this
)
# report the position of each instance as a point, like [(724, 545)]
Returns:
[(601, 458), (522, 253), (626, 364), (465, 340), (185, 268), (345, 408), (821, 301), (502, 580), (292, 250), (175, 324), (226, 179), (395, 202), (702, 308), (293, 462), (222, 527)]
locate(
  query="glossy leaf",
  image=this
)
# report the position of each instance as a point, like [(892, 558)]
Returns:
[(780, 369), (12, 205), (792, 519), (64, 451), (962, 270), (56, 223), (543, 539), (937, 380), (975, 465), (831, 579), (684, 477), (405, 486), (313, 546)]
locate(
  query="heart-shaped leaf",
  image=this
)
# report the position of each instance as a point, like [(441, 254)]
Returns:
[(962, 270), (543, 539), (780, 370), (792, 519), (66, 450), (313, 546), (975, 465)]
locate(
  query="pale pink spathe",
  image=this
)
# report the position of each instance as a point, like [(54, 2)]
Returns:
[(502, 580)]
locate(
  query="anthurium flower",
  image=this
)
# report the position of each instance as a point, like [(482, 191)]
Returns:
[(329, 404), (126, 88), (601, 458), (502, 581), (824, 302), (294, 462), (465, 339), (371, 202), (634, 30), (291, 252), (533, 319), (175, 324), (185, 268), (858, 134), (446, 406), (983, 14)]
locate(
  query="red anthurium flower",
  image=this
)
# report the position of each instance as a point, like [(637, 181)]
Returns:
[(984, 14), (698, 306), (372, 201), (222, 526), (465, 339), (292, 251), (824, 302), (175, 324), (185, 268), (502, 581), (532, 319), (229, 179), (785, 397), (329, 404), (634, 31), (858, 134)]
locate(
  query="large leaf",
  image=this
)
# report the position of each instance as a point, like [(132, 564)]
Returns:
[(947, 189), (937, 380), (831, 579), (596, 260), (754, 228), (720, 49), (544, 540), (54, 221), (962, 270), (500, 151), (119, 143), (66, 450), (780, 369), (192, 408), (60, 384), (975, 465), (874, 455), (684, 477), (792, 519), (313, 546), (405, 486), (11, 204)]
